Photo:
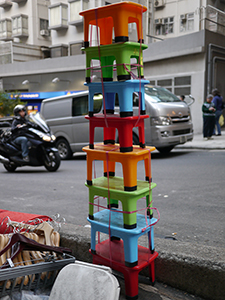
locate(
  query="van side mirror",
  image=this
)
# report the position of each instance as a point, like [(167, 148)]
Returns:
[(189, 100)]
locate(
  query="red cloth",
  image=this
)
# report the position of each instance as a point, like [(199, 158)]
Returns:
[(31, 219)]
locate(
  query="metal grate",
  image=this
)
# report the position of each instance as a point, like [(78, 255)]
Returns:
[(38, 275)]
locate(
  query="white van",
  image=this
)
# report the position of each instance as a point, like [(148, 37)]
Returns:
[(169, 122)]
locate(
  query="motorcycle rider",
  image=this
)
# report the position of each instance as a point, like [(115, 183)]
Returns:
[(20, 111)]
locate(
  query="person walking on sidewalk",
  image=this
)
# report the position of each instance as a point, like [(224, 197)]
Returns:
[(218, 101), (208, 109)]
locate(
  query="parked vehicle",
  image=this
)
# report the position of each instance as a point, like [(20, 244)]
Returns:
[(42, 150), (170, 121), (169, 124)]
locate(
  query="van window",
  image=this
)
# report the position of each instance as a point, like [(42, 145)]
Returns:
[(159, 94), (80, 105)]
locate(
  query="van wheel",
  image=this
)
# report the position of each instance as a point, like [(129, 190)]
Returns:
[(135, 139), (64, 149), (165, 150)]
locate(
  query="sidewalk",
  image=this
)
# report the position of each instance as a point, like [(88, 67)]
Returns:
[(182, 265), (198, 142)]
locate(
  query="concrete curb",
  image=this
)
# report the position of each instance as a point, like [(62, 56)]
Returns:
[(196, 269)]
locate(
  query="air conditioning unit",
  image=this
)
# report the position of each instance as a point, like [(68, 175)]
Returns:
[(44, 32), (159, 3), (158, 21), (183, 17)]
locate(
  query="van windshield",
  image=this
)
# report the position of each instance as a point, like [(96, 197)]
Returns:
[(159, 94)]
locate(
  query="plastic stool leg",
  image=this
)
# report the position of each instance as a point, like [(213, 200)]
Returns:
[(93, 236), (131, 284), (130, 175), (147, 169), (130, 251), (111, 168), (141, 131), (109, 103), (109, 135), (89, 170), (152, 272), (91, 135), (91, 207)]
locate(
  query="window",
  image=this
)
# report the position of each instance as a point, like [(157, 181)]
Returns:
[(58, 18), (59, 50), (80, 105), (176, 85), (164, 26), (187, 22), (5, 29), (75, 48), (75, 7), (182, 85), (168, 25), (166, 83), (44, 28), (20, 25), (43, 24)]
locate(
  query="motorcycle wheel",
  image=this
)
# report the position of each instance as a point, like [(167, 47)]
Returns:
[(10, 167), (54, 163)]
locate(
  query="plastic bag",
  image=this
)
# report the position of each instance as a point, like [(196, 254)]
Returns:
[(221, 120)]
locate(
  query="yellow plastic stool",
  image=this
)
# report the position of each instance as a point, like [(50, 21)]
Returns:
[(111, 153)]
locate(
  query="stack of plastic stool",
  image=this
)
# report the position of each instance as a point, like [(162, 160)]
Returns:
[(124, 226)]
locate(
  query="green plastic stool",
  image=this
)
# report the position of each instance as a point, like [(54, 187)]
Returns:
[(129, 200), (122, 53)]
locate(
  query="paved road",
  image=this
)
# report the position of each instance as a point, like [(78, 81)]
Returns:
[(189, 193)]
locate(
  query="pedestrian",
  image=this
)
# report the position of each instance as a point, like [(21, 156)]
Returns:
[(182, 97), (218, 101), (208, 109)]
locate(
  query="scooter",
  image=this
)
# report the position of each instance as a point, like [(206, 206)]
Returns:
[(42, 150)]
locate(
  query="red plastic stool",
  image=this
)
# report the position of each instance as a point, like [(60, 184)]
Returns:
[(115, 249), (124, 126), (117, 15)]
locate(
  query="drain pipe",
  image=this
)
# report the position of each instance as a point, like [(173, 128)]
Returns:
[(213, 67), (212, 48)]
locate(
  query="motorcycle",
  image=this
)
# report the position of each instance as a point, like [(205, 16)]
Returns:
[(42, 150)]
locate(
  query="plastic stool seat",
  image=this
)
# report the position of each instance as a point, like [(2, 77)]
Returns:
[(117, 16), (113, 186), (110, 253), (129, 160), (124, 89), (122, 53), (113, 219), (123, 125)]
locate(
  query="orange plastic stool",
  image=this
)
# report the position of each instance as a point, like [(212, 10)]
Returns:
[(124, 127), (116, 262), (129, 160), (117, 15)]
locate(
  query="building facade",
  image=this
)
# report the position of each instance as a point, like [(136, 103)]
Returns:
[(41, 47)]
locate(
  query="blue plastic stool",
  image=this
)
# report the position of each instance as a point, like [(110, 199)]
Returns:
[(129, 236), (124, 89)]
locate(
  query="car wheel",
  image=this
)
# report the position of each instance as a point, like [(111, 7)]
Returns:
[(135, 139), (64, 149)]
